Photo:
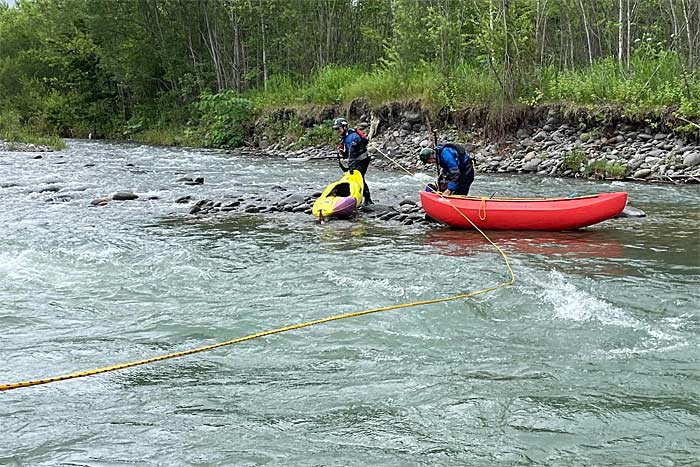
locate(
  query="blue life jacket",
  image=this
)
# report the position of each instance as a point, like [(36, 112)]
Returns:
[(454, 162), (354, 145)]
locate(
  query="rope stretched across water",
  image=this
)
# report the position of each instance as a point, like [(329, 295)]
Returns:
[(122, 366)]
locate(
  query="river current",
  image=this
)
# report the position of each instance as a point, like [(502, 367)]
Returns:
[(592, 357)]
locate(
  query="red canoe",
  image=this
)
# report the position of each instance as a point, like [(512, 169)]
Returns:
[(551, 214)]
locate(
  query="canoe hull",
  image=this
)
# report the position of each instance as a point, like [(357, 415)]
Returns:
[(340, 199), (548, 214)]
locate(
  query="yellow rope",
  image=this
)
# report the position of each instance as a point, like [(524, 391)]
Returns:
[(482, 207), (121, 366)]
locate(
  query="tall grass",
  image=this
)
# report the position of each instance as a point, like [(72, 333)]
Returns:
[(655, 78), (465, 85)]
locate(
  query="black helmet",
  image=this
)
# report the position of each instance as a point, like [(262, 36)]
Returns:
[(339, 122), (425, 154)]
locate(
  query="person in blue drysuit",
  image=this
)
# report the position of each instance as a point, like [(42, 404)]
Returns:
[(455, 167), (353, 147)]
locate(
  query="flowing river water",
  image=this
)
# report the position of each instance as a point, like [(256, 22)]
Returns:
[(592, 357)]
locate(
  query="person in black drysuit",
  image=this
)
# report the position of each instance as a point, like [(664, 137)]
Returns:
[(353, 147), (455, 166)]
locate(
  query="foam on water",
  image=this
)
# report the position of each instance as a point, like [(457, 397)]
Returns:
[(575, 304), (571, 303)]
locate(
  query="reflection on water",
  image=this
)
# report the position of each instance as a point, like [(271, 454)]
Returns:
[(579, 244)]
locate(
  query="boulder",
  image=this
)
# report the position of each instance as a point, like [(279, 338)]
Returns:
[(691, 159), (531, 165), (642, 173), (124, 196)]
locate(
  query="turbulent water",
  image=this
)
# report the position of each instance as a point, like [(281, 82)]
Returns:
[(592, 357)]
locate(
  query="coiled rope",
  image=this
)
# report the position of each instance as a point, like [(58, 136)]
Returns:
[(122, 366)]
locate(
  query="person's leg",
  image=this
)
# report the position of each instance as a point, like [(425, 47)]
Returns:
[(362, 167), (465, 182)]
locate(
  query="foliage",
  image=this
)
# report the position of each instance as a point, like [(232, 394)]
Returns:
[(12, 129), (327, 86), (321, 135), (574, 160), (226, 119), (606, 169), (111, 68)]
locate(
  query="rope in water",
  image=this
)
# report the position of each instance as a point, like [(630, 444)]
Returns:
[(121, 366)]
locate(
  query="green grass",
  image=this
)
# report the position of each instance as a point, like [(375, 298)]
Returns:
[(53, 141), (606, 169)]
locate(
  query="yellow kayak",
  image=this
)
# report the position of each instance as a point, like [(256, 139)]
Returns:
[(341, 198)]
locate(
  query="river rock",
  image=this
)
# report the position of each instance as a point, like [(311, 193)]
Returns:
[(47, 188), (541, 136), (691, 159), (100, 201), (412, 116), (642, 173), (124, 196), (632, 212), (531, 166)]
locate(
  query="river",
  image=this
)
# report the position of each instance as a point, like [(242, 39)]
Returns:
[(592, 356)]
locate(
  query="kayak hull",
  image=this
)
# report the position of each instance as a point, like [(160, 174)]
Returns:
[(340, 199), (547, 214)]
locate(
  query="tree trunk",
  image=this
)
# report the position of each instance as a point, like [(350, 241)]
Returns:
[(588, 34), (264, 51), (629, 36), (236, 50), (507, 65), (620, 42), (687, 14), (209, 39)]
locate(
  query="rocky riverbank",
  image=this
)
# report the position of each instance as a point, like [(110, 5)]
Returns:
[(555, 148), (23, 147)]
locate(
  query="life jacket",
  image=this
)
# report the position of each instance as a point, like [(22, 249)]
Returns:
[(464, 159), (360, 144), (363, 140)]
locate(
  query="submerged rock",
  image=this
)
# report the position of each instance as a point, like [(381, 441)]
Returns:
[(124, 196), (632, 212)]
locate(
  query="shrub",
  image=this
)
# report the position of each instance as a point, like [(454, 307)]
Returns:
[(318, 135), (606, 169), (226, 119), (574, 160)]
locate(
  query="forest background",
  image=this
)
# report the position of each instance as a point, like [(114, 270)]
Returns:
[(206, 72)]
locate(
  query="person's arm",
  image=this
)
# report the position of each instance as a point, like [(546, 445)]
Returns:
[(341, 149)]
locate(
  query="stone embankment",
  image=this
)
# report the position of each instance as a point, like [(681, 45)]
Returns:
[(556, 148)]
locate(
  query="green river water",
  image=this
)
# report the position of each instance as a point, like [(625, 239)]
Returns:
[(592, 357)]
